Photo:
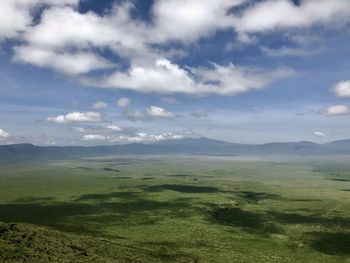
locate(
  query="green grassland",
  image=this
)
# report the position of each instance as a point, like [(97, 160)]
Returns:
[(176, 209)]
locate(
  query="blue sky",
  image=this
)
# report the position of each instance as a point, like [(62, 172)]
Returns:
[(108, 72)]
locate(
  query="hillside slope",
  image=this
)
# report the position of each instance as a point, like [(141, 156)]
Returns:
[(32, 244)]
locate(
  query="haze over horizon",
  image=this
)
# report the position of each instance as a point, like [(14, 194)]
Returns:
[(107, 72)]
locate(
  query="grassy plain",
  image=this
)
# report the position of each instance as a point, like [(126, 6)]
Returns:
[(176, 209)]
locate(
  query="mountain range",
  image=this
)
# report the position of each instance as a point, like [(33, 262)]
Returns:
[(196, 146)]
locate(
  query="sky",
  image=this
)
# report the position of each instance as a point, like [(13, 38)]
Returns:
[(93, 72)]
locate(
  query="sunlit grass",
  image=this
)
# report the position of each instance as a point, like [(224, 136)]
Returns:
[(182, 209)]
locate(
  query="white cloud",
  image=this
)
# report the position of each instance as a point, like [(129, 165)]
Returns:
[(16, 15), (98, 129), (144, 137), (180, 20), (135, 137), (12, 18), (71, 42), (151, 113), (62, 29), (65, 40), (99, 105), (336, 110), (232, 80), (159, 112), (78, 129), (139, 137), (162, 77), (321, 134), (114, 128), (92, 137), (124, 102), (69, 63), (266, 16), (187, 21), (342, 89), (76, 117), (166, 136), (288, 51), (166, 77), (3, 134), (63, 26)]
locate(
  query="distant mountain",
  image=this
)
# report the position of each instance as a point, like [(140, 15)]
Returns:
[(198, 146), (20, 152), (341, 144)]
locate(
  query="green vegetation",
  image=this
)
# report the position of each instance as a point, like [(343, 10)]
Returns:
[(175, 209)]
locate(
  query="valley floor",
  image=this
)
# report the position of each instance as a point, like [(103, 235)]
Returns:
[(176, 209)]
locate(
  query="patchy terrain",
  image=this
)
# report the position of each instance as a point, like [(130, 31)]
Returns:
[(176, 209)]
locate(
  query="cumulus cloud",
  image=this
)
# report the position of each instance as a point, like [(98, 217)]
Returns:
[(232, 80), (342, 89), (99, 105), (155, 111), (151, 113), (16, 15), (114, 128), (124, 102), (69, 63), (63, 28), (321, 134), (3, 134), (336, 110), (65, 40), (76, 117), (135, 137), (97, 129), (102, 133), (16, 20), (266, 16), (179, 20), (162, 77), (189, 20), (166, 77), (78, 129), (144, 137), (91, 137)]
